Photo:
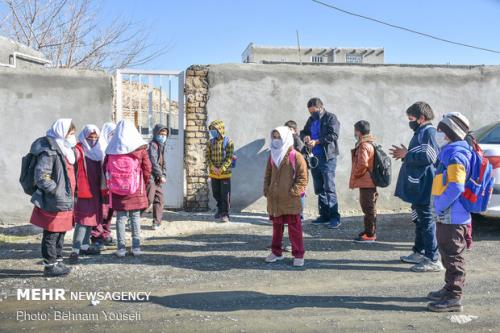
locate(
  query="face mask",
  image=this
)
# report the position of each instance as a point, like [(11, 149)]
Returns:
[(356, 138), (414, 125), (214, 134), (441, 139), (70, 141), (92, 142), (161, 139), (276, 143), (315, 115)]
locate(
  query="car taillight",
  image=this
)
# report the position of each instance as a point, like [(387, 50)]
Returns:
[(494, 161)]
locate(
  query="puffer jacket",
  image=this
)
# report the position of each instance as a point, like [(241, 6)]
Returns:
[(217, 157), (282, 190), (54, 193), (362, 163), (449, 183)]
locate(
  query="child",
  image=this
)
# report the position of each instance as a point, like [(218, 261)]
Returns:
[(285, 180), (101, 234), (362, 165), (88, 208), (298, 145), (128, 171), (55, 179), (220, 151), (156, 151), (451, 216), (415, 183)]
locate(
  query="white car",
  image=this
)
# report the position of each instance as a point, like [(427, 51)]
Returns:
[(489, 140)]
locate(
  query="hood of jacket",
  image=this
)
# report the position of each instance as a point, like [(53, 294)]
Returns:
[(219, 126), (158, 128), (451, 150), (45, 144)]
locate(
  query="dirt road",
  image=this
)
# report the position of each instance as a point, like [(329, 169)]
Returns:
[(216, 281)]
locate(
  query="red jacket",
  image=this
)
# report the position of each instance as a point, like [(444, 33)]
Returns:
[(82, 181), (138, 200)]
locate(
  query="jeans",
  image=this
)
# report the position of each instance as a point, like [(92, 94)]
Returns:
[(221, 190), (52, 246), (81, 237), (122, 217), (324, 187), (425, 232), (303, 204)]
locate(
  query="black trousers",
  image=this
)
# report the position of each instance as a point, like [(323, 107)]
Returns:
[(221, 190), (52, 246)]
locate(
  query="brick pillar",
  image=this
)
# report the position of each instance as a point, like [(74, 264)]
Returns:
[(196, 138)]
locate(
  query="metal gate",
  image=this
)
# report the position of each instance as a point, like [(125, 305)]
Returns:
[(150, 97)]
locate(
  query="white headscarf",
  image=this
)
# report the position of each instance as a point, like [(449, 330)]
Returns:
[(91, 152), (107, 132), (125, 140), (279, 152), (58, 132)]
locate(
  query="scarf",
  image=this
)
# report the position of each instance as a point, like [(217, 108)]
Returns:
[(94, 153), (125, 140), (279, 152), (58, 132)]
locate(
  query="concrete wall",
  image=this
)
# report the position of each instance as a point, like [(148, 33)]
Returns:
[(31, 99), (252, 99), (7, 49)]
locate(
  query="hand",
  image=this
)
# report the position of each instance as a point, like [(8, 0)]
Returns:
[(311, 143), (163, 180), (307, 138), (398, 152), (217, 171)]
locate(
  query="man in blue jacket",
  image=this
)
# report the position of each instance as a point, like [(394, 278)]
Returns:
[(415, 183), (320, 135)]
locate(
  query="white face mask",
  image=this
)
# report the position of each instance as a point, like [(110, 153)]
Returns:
[(276, 143), (70, 141), (441, 139)]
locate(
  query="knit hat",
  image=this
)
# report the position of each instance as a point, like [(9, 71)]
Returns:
[(455, 125)]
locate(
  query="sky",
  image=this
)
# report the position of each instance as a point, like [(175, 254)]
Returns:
[(218, 31)]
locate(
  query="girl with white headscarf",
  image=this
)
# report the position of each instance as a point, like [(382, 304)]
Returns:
[(284, 183), (55, 180), (88, 208)]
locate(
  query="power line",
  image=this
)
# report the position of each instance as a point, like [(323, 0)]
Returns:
[(405, 29)]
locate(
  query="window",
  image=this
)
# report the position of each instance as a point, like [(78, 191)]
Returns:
[(493, 137), (317, 59), (354, 59)]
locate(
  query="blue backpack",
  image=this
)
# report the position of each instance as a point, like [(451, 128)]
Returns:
[(224, 146), (479, 185)]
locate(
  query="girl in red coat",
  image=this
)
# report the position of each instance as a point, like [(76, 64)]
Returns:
[(88, 208), (128, 171)]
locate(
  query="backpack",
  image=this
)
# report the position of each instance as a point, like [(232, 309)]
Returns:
[(27, 177), (479, 185), (224, 146), (123, 174), (382, 167)]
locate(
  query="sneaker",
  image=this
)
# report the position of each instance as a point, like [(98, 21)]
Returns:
[(73, 258), (273, 258), (217, 216), (320, 221), (298, 262), (287, 248), (413, 258), (446, 305), (436, 295), (364, 238), (54, 270), (156, 226), (428, 265), (225, 219), (334, 224), (121, 253), (136, 252), (91, 251), (109, 241)]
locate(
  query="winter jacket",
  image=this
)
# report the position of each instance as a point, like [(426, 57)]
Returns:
[(329, 133), (156, 152), (451, 174), (82, 180), (362, 163), (418, 169), (298, 145), (138, 200), (216, 156), (54, 193), (282, 190)]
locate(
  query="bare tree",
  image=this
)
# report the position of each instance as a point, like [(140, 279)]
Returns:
[(71, 34)]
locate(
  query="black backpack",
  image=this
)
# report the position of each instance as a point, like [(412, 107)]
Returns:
[(27, 178), (382, 170)]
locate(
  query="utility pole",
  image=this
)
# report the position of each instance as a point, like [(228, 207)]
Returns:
[(298, 45)]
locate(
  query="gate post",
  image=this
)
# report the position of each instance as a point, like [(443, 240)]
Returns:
[(196, 138)]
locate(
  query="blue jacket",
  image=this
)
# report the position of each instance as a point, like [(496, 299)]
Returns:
[(418, 169), (329, 133), (449, 183)]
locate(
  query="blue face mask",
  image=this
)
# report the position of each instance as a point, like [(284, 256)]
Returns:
[(214, 134), (161, 138), (315, 115)]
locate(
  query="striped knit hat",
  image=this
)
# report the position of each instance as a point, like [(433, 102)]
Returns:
[(455, 125)]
